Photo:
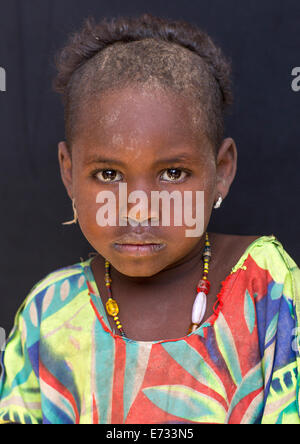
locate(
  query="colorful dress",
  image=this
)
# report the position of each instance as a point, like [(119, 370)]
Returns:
[(63, 364)]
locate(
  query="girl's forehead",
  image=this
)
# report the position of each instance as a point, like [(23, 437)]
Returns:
[(136, 116)]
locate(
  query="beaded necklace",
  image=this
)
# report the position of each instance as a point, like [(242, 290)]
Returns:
[(199, 306)]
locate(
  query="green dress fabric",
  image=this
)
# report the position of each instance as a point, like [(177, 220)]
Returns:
[(62, 363)]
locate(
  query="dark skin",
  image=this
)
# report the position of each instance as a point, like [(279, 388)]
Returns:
[(138, 137)]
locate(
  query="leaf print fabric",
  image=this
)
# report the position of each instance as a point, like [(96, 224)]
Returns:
[(63, 364)]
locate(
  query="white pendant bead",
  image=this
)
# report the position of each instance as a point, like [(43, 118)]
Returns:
[(199, 308)]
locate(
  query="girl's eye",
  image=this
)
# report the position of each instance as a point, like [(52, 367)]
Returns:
[(174, 174), (108, 175)]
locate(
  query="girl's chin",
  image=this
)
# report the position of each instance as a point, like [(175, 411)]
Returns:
[(140, 267)]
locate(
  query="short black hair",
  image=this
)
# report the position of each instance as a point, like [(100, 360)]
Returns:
[(150, 50)]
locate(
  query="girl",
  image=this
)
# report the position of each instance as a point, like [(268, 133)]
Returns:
[(155, 326)]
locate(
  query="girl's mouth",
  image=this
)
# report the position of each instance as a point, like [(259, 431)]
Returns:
[(138, 244)]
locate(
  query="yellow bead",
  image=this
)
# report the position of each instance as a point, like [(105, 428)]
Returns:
[(119, 326), (112, 307)]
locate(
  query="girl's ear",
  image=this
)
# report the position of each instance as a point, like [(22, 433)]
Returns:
[(65, 164), (226, 166)]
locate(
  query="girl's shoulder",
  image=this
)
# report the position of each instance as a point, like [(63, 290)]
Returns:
[(267, 268), (268, 253), (259, 263), (266, 250), (55, 289)]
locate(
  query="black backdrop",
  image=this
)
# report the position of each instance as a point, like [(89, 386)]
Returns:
[(263, 39)]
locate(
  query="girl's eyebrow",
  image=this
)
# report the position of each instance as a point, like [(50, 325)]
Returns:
[(176, 159), (103, 160)]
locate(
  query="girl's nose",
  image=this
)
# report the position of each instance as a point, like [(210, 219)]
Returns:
[(141, 218), (135, 206)]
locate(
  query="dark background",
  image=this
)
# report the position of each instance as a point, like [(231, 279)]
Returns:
[(262, 37)]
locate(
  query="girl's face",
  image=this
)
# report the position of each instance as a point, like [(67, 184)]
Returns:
[(145, 140)]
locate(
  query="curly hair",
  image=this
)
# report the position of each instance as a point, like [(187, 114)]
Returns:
[(153, 51)]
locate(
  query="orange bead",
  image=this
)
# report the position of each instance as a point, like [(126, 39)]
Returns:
[(112, 307)]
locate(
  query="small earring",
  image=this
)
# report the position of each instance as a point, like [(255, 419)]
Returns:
[(219, 202), (74, 221)]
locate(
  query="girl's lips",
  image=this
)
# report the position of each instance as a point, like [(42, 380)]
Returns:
[(139, 249)]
